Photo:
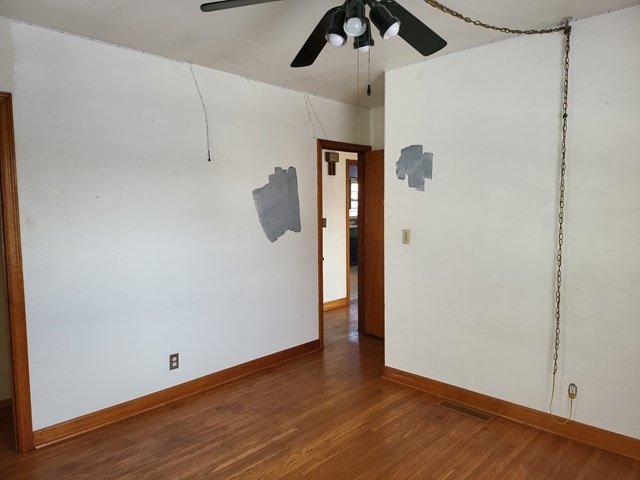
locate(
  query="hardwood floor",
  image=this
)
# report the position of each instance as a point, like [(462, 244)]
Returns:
[(325, 416)]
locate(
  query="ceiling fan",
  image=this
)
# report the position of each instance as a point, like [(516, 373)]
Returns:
[(350, 20)]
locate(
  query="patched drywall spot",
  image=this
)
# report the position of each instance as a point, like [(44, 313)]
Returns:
[(416, 165), (278, 205)]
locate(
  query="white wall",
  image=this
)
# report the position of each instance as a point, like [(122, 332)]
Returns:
[(470, 302), (6, 58), (134, 246), (376, 119), (334, 236)]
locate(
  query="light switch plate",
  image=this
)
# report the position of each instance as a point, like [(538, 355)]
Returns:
[(406, 236)]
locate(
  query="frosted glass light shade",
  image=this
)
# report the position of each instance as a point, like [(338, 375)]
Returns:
[(354, 26), (392, 31), (335, 39)]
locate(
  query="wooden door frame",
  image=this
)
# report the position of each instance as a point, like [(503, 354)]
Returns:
[(323, 144), (12, 249)]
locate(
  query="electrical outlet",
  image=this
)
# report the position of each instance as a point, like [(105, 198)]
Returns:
[(406, 236), (174, 361), (573, 390)]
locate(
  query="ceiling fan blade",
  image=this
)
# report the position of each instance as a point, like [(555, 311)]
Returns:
[(413, 31), (315, 43), (224, 4)]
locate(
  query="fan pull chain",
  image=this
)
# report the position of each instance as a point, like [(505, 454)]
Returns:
[(358, 78), (369, 75), (358, 93)]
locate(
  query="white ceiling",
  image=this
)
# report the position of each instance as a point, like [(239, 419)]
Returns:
[(259, 41)]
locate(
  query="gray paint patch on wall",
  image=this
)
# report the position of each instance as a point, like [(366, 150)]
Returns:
[(416, 165), (278, 205)]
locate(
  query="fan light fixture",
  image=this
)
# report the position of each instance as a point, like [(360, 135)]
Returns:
[(354, 25), (364, 41), (387, 24), (351, 20), (335, 34)]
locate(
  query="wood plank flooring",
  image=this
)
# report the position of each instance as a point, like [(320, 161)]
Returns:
[(325, 416)]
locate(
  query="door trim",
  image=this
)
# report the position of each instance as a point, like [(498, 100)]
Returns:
[(323, 144), (23, 426)]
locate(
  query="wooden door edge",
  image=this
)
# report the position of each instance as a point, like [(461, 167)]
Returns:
[(23, 426)]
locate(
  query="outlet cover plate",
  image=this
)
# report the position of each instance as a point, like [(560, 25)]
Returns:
[(174, 361)]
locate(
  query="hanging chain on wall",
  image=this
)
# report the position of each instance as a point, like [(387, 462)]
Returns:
[(478, 23), (566, 29), (563, 169)]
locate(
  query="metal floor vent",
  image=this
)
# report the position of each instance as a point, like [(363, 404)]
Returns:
[(463, 409)]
